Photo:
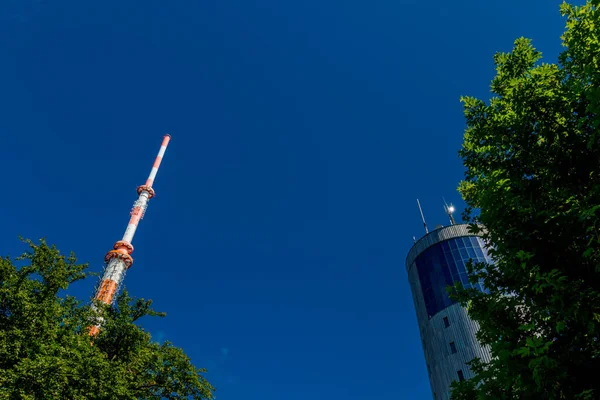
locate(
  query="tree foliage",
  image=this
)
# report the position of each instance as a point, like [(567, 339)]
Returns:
[(532, 158), (46, 352)]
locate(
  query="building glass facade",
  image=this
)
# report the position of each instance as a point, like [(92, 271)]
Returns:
[(444, 265)]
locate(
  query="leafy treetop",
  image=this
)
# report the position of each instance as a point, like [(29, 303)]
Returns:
[(532, 158), (46, 352)]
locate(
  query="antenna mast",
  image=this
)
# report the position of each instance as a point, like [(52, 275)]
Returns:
[(119, 259), (422, 217), (449, 210)]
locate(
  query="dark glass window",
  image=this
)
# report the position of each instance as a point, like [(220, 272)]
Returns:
[(461, 376), (446, 322), (452, 347), (471, 253), (478, 252), (444, 264)]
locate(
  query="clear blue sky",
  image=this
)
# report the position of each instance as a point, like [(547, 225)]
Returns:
[(302, 133)]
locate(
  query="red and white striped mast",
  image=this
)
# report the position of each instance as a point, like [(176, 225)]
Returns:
[(119, 259)]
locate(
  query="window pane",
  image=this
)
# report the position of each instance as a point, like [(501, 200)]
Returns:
[(478, 254), (456, 255), (461, 268), (471, 253), (464, 278)]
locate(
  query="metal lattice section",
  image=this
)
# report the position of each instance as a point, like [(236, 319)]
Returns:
[(99, 282), (141, 205)]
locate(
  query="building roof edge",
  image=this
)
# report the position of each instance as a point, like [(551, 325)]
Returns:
[(435, 237)]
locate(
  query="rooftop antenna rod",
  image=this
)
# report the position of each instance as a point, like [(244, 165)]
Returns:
[(423, 217), (449, 210)]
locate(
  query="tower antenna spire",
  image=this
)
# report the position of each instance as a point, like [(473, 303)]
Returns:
[(422, 217), (449, 210), (119, 260)]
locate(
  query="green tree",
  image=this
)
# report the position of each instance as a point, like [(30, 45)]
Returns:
[(532, 158), (46, 352)]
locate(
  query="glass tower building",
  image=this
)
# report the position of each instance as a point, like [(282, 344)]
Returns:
[(436, 261)]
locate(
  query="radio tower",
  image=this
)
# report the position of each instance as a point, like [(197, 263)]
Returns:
[(119, 259)]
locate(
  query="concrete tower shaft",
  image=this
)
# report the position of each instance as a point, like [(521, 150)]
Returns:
[(436, 261)]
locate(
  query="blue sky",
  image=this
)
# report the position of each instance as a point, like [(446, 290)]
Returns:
[(302, 134)]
